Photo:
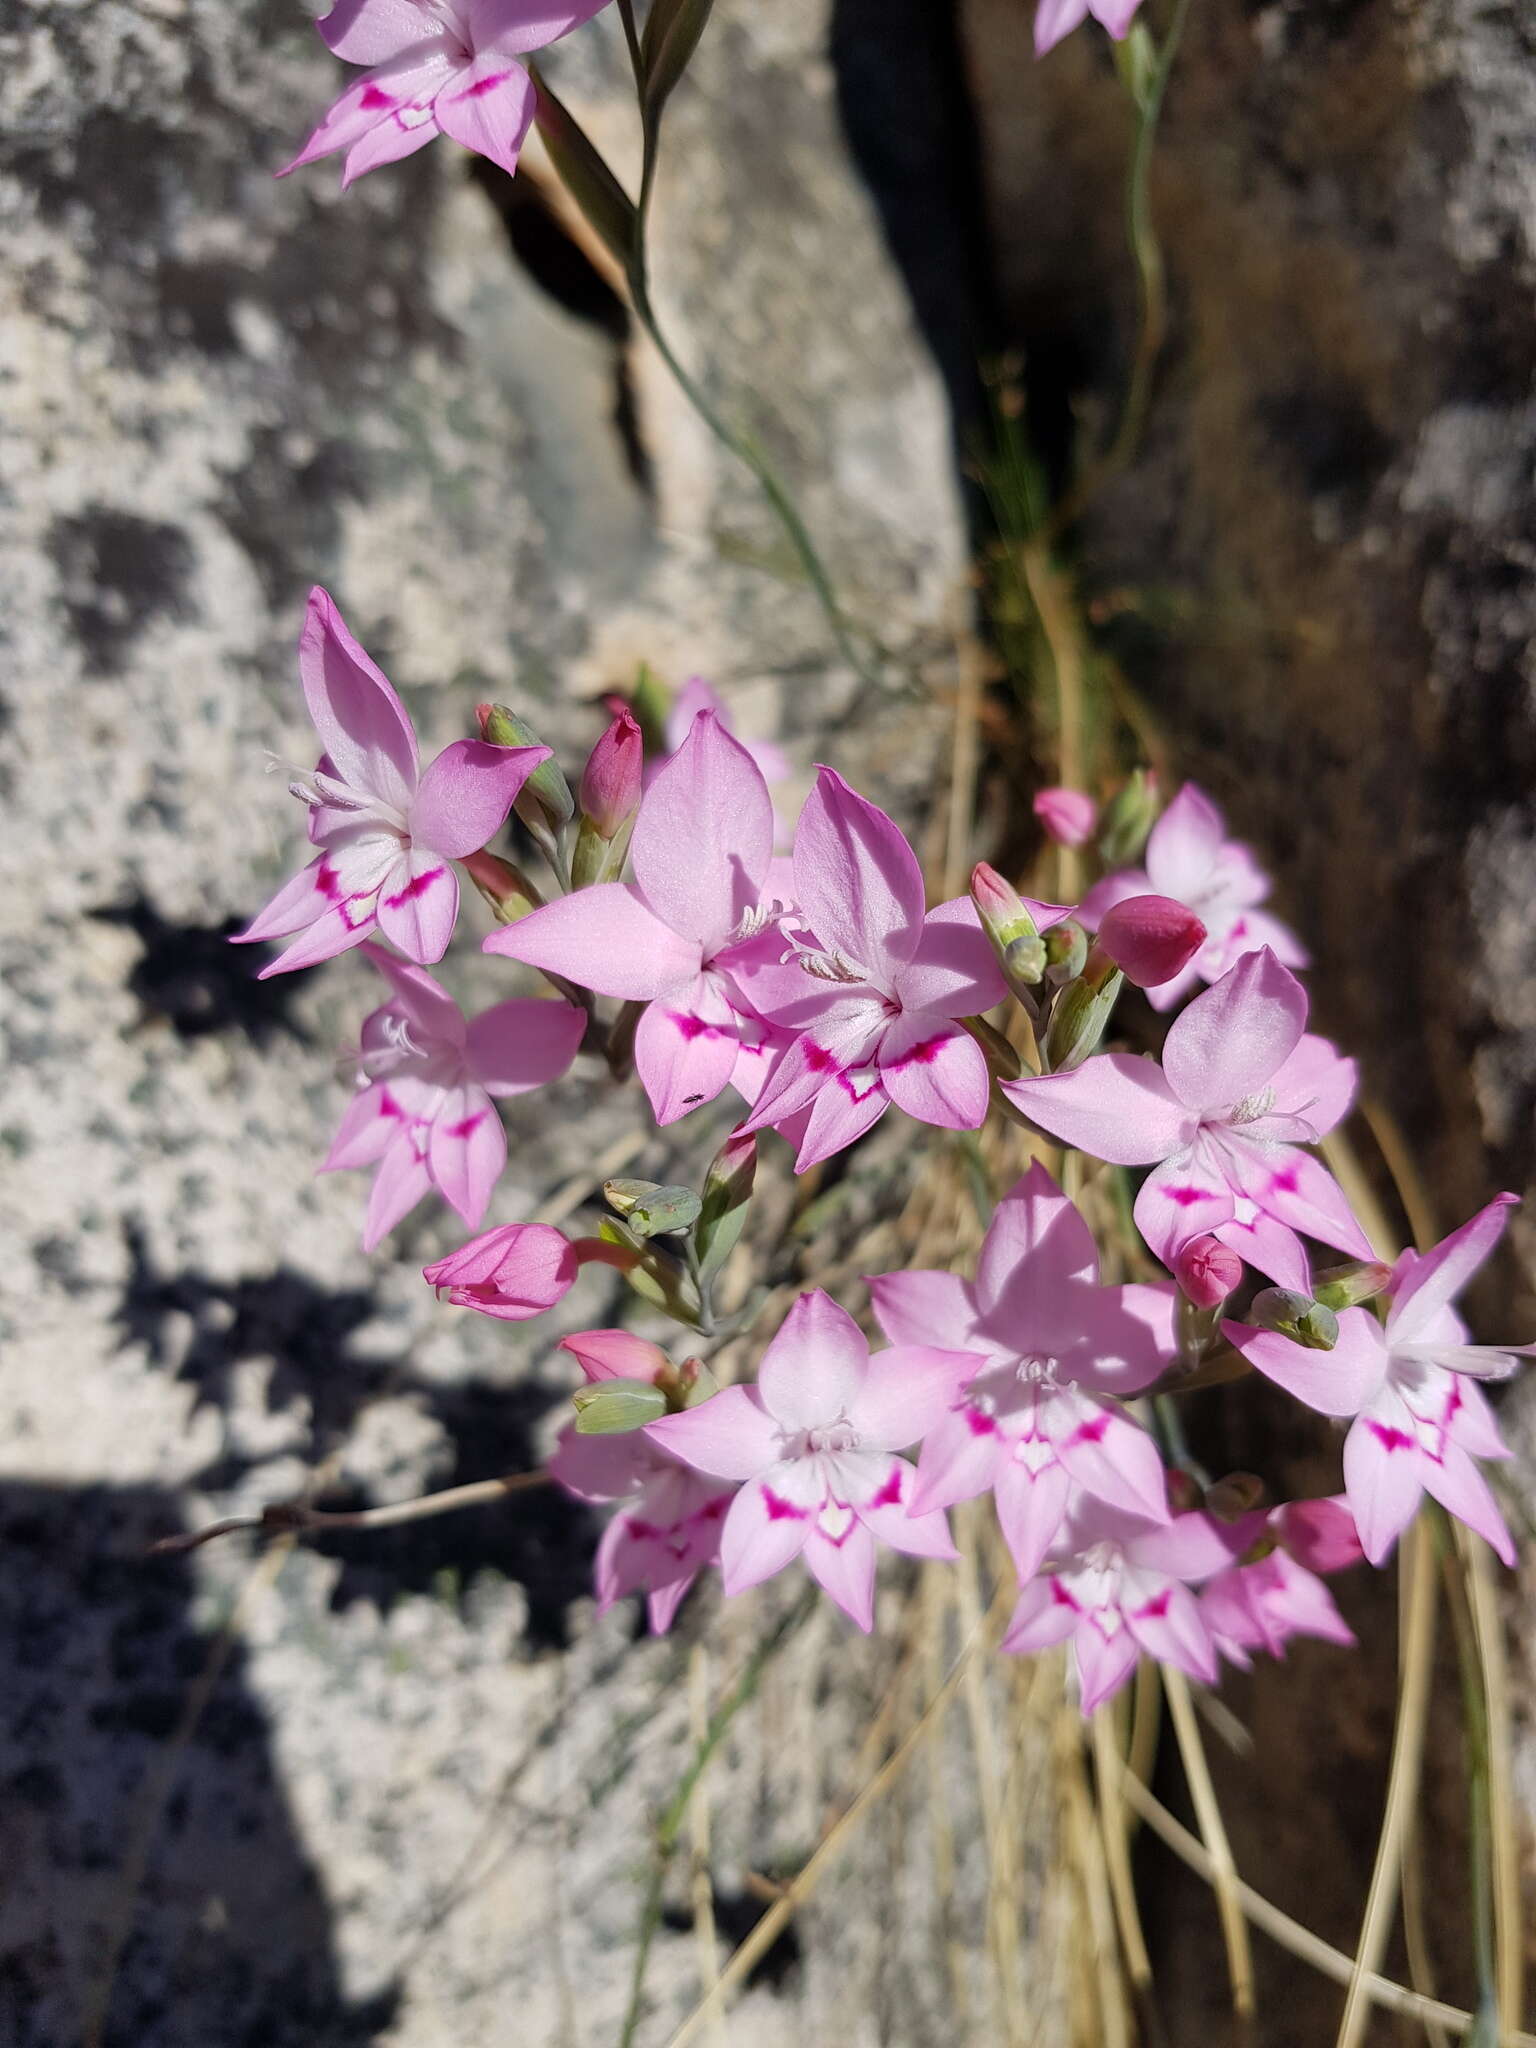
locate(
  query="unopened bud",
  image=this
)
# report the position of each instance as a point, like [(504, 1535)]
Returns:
[(611, 1407), (1151, 938), (1320, 1534), (1078, 1017), (727, 1191), (1238, 1494), (1347, 1286), (1066, 951), (1006, 920), (1183, 1491), (1296, 1316), (650, 1209), (544, 803), (1066, 815), (1127, 819), (610, 782), (504, 887), (1207, 1270)]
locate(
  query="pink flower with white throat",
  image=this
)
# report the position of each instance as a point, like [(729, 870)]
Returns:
[(875, 986), (387, 831), (812, 1447), (424, 1116), (1055, 1353), (1260, 1602), (1190, 859), (701, 853), (667, 1528), (1241, 1088), (1120, 1589), (1421, 1420), (437, 67)]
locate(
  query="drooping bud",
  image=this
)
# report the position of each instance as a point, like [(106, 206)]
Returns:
[(1151, 938), (1127, 819), (504, 887), (1207, 1270), (610, 782), (1066, 952), (1066, 815), (1320, 1534), (1238, 1494), (1006, 920), (651, 1209), (544, 803), (727, 1191), (1347, 1286), (1296, 1316), (1078, 1018), (612, 1407)]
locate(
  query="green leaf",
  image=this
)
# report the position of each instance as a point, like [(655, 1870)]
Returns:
[(611, 1407), (604, 203), (671, 35), (727, 1192)]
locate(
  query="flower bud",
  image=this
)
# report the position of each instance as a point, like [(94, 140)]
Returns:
[(615, 1354), (504, 887), (1347, 1286), (1234, 1496), (1078, 1017), (1151, 938), (1006, 920), (1183, 1491), (1066, 952), (1319, 1534), (1127, 819), (1066, 815), (612, 1407), (544, 803), (1207, 1270), (512, 1273), (652, 1210), (727, 1191), (610, 782), (1296, 1316)]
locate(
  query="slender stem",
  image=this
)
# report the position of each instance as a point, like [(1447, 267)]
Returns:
[(703, 1286), (1474, 1728), (294, 1518), (1224, 1879), (632, 41)]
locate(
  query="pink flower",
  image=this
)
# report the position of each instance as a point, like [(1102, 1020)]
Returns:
[(1260, 1606), (1151, 939), (1241, 1087), (695, 696), (1038, 1418), (386, 830), (1207, 1270), (702, 852), (1066, 815), (873, 1010), (512, 1273), (1189, 858), (424, 1115), (1421, 1421), (1120, 1589), (439, 67), (812, 1446)]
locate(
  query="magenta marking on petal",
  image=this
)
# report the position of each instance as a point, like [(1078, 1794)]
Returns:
[(714, 1510), (980, 1424), (923, 1055), (889, 1495), (647, 1532), (779, 1509), (1389, 1438), (691, 1027), (326, 882), (1062, 1596), (819, 1060), (1093, 1432), (418, 885), (375, 97), (390, 1108), (482, 86), (1284, 1183), (1155, 1608), (468, 1127), (1187, 1197)]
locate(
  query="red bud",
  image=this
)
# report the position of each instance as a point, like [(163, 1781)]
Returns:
[(1151, 938), (610, 782), (1207, 1270)]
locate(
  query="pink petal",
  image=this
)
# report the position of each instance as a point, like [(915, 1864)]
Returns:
[(1237, 1036), (889, 1514), (906, 1391), (729, 1436), (1030, 1510), (1046, 1615), (362, 724), (1055, 19), (397, 136), (1112, 889), (816, 1366), (1112, 1106), (923, 1308), (954, 970), (1320, 1534), (837, 1052), (1383, 1475), (1180, 1199), (704, 836), (302, 900), (1256, 928), (489, 108), (523, 1043), (1104, 1452), (466, 793), (599, 1468), (1463, 1492), (364, 1132), (614, 1354), (345, 925), (1165, 1621), (686, 1048), (601, 938), (959, 1459), (1473, 1427), (1434, 1280), (419, 904), (518, 26), (935, 1071), (379, 118), (661, 1605), (1182, 846), (1102, 1666), (1300, 1192), (840, 1114), (399, 1184), (433, 1014), (845, 1570), (1269, 1246), (1036, 1242), (467, 1150), (857, 880), (1190, 1546), (1336, 1382), (1155, 1309), (764, 1530), (374, 31), (1316, 1083)]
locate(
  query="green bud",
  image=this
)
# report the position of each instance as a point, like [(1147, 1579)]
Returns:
[(597, 859), (1127, 819), (544, 802), (727, 1191), (1238, 1494), (1296, 1316), (1006, 920), (1078, 1018), (610, 1407), (1347, 1286), (1066, 951), (504, 887), (652, 1210)]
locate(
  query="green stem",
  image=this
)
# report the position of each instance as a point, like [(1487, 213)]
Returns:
[(632, 40), (1474, 1721)]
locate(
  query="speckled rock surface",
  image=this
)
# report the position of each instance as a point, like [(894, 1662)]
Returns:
[(406, 1799)]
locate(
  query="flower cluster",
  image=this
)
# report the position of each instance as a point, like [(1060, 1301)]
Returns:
[(820, 988)]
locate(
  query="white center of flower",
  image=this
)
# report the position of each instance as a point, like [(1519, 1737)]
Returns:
[(826, 1439), (1252, 1107)]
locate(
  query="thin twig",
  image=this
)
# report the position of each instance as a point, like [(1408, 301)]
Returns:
[(1224, 1879), (295, 1518), (1507, 1914), (1108, 1770)]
